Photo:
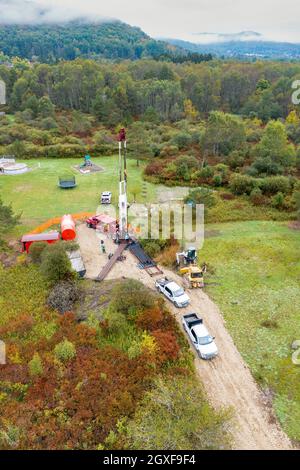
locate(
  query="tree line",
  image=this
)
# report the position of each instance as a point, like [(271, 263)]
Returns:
[(153, 90)]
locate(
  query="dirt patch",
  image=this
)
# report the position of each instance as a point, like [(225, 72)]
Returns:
[(212, 233), (22, 188), (295, 225), (89, 169), (227, 380)]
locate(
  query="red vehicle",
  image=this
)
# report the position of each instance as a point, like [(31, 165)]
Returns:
[(93, 221), (103, 222)]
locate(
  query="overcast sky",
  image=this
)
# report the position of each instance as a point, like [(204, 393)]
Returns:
[(274, 19)]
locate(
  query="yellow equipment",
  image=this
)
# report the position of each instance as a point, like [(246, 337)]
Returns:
[(194, 275)]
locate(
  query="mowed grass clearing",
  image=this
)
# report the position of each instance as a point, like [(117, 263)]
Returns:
[(256, 283), (36, 194)]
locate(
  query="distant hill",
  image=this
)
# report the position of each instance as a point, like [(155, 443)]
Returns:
[(243, 49), (52, 42)]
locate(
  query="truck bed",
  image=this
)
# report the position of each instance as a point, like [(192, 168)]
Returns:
[(192, 319), (163, 282)]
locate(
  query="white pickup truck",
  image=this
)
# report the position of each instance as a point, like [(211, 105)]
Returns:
[(106, 197), (173, 292), (202, 341)]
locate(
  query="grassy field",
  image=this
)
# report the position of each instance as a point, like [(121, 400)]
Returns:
[(256, 267), (37, 195), (256, 285)]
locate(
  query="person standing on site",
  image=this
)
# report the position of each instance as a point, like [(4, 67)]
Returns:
[(102, 247)]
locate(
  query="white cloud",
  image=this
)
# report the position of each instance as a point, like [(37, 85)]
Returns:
[(274, 19)]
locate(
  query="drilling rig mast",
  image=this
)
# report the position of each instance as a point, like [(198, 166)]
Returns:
[(123, 222)]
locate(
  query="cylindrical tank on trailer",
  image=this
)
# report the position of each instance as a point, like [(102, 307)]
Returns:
[(68, 231)]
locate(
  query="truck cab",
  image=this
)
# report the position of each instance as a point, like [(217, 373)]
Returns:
[(93, 221), (106, 197)]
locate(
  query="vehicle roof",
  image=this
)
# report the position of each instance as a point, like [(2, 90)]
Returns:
[(106, 193), (173, 286), (200, 330), (40, 237), (195, 269)]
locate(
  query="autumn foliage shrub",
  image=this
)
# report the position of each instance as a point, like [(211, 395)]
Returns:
[(156, 167), (150, 319), (227, 196), (65, 351), (168, 256), (168, 348)]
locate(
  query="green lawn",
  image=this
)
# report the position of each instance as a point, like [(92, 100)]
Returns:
[(38, 196), (256, 285)]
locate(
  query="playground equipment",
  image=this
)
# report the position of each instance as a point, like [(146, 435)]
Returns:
[(67, 182), (68, 231), (8, 166), (87, 162)]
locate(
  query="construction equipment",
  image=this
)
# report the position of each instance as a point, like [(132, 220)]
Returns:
[(194, 276), (187, 257), (123, 208)]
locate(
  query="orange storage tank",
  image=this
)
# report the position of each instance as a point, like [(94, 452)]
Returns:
[(68, 231)]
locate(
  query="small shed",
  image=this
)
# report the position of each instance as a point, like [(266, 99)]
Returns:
[(27, 240), (77, 262)]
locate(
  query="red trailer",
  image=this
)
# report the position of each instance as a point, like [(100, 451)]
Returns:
[(27, 240)]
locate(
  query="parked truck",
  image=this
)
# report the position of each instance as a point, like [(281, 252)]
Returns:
[(106, 197), (173, 292), (202, 341)]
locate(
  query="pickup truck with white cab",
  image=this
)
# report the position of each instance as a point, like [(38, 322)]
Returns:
[(202, 341), (106, 197), (173, 292)]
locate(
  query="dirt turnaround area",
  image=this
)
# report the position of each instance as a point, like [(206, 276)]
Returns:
[(227, 379)]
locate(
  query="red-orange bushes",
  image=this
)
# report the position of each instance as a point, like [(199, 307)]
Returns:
[(156, 318), (20, 326), (150, 319), (80, 334), (155, 168), (76, 403), (168, 348)]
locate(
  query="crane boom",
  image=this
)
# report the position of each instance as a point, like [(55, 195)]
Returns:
[(123, 222)]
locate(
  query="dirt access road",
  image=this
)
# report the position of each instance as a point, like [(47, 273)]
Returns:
[(227, 379)]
